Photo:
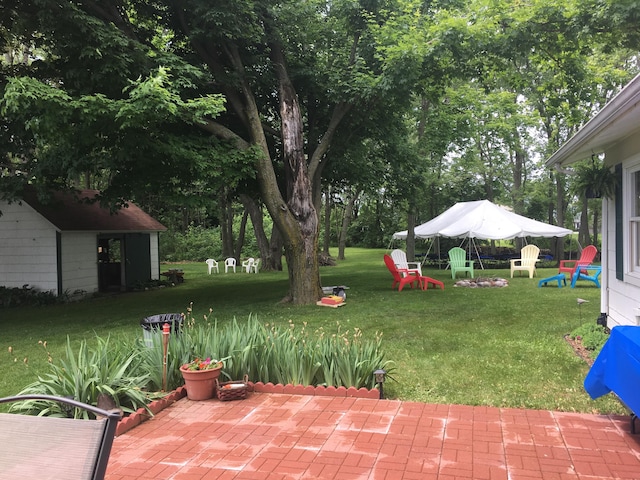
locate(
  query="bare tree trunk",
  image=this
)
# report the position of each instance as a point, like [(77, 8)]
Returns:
[(299, 229), (226, 225), (411, 234), (255, 212), (240, 242), (558, 254), (583, 233), (327, 221), (346, 221)]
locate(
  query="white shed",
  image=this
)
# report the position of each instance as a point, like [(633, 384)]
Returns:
[(615, 131), (72, 246)]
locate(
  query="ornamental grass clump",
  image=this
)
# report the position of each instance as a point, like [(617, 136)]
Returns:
[(286, 354), (111, 370)]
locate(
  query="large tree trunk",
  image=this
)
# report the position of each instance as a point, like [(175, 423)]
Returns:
[(275, 248), (299, 223)]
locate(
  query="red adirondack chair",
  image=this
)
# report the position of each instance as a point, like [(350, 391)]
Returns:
[(398, 279), (586, 258)]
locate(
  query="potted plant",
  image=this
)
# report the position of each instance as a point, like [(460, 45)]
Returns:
[(200, 377), (595, 180)]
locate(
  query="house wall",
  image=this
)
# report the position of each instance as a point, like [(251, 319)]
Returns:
[(27, 249), (621, 298), (155, 255), (79, 254)]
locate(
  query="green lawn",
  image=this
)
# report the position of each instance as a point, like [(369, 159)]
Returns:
[(494, 346)]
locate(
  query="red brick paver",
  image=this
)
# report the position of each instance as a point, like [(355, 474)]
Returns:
[(288, 437)]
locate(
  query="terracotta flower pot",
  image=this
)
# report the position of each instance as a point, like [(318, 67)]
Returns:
[(200, 384)]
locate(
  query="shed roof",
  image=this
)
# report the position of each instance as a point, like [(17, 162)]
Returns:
[(69, 212)]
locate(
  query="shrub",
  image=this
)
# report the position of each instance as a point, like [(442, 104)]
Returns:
[(591, 335), (14, 297)]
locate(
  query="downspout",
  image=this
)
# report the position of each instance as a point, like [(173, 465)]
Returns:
[(604, 255)]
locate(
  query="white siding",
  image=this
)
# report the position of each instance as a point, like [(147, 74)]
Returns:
[(27, 249), (155, 255), (79, 252), (620, 299), (28, 253)]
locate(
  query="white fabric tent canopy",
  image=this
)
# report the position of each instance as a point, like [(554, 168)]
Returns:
[(484, 220)]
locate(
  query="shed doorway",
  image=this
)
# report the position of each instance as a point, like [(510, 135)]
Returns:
[(110, 264)]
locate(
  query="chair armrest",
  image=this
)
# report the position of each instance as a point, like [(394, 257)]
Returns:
[(408, 271), (567, 263)]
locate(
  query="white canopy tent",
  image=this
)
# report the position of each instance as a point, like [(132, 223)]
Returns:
[(483, 220)]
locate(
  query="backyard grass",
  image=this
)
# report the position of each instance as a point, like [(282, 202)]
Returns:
[(484, 346)]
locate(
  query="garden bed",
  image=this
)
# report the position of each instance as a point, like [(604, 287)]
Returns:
[(579, 349)]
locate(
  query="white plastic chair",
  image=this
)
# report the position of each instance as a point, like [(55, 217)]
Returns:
[(255, 266), (248, 264), (212, 265), (230, 263), (400, 259)]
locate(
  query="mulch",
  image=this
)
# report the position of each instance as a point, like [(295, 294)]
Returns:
[(579, 349)]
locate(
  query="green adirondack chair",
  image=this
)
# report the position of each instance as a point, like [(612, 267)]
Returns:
[(459, 263)]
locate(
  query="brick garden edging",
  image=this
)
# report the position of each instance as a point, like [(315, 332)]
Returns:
[(140, 415), (311, 390)]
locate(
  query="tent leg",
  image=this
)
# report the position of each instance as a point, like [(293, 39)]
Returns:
[(475, 247)]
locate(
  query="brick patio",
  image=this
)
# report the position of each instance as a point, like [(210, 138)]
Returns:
[(286, 437)]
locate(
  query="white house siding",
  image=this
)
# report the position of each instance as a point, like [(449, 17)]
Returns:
[(624, 304), (155, 255), (620, 299), (27, 249), (79, 254)]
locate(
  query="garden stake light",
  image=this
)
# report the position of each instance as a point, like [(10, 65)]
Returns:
[(380, 376), (580, 302)]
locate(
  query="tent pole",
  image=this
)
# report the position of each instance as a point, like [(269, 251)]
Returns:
[(475, 247), (424, 259)]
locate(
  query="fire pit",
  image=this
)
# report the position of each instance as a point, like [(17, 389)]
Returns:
[(482, 282)]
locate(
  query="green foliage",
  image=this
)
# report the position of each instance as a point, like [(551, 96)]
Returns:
[(595, 180), (110, 368), (270, 353), (500, 347), (591, 335), (196, 244), (14, 297)]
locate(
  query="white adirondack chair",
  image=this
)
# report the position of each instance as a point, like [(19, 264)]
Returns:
[(400, 259)]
